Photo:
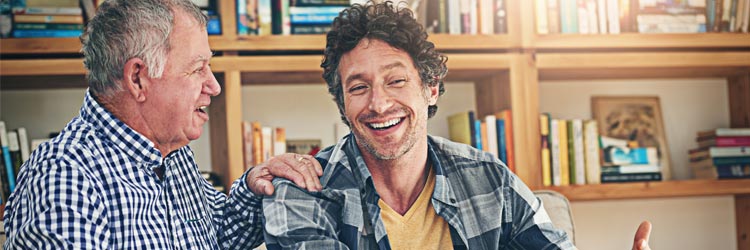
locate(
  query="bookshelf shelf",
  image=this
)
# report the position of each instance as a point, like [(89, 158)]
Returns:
[(642, 41), (40, 45), (665, 189)]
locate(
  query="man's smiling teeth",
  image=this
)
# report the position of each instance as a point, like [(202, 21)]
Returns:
[(202, 108), (385, 124)]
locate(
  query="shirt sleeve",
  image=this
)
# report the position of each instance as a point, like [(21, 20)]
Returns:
[(297, 219), (531, 227), (238, 215), (55, 209)]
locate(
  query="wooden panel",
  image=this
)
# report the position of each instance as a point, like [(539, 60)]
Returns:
[(42, 67), (524, 88), (642, 60), (739, 100), (226, 132), (475, 61), (742, 220), (40, 45), (228, 13), (635, 40), (661, 189), (280, 64), (492, 94), (639, 73)]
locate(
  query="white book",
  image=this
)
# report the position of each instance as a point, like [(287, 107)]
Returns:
[(491, 121), (487, 12), (591, 151), (542, 26), (580, 166), (23, 142), (746, 14), (613, 16), (602, 15), (454, 17), (592, 17), (279, 141), (473, 16), (554, 142), (267, 142), (740, 15), (583, 18)]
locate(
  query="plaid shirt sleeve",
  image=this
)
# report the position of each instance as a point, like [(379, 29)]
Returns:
[(238, 215), (297, 219), (70, 214)]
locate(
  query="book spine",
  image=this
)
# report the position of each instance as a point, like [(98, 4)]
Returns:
[(545, 149), (23, 143), (731, 160), (507, 116), (47, 26), (554, 140), (591, 149), (47, 19), (580, 166), (542, 24), (501, 143), (553, 21), (6, 157), (39, 10), (564, 162), (491, 121), (501, 22), (47, 33), (298, 29), (319, 3), (602, 16), (614, 178)]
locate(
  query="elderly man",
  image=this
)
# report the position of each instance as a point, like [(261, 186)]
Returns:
[(120, 175), (390, 185)]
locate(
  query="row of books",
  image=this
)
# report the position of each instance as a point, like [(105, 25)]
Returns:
[(643, 16), (260, 143), (722, 153), (284, 17), (66, 18), (15, 149), (493, 133), (574, 153)]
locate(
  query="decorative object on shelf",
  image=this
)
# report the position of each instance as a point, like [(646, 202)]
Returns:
[(638, 120), (306, 147)]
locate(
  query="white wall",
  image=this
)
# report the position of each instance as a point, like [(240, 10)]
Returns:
[(307, 111)]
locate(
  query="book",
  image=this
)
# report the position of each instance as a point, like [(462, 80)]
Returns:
[(11, 177), (477, 132), (265, 17), (553, 19), (279, 141), (23, 143), (633, 177), (591, 151), (724, 132), (630, 169), (247, 17), (459, 128), (46, 33), (26, 18), (491, 123), (730, 171), (303, 29), (564, 162), (47, 26), (247, 144), (267, 143), (257, 149), (578, 152), (501, 143), (542, 24), (15, 151), (720, 161), (320, 3), (554, 141), (625, 155), (613, 17), (500, 17), (724, 141), (713, 152), (47, 10), (507, 117), (545, 149), (483, 129)]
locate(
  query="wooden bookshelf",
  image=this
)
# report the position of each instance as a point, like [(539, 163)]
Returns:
[(642, 41), (660, 189)]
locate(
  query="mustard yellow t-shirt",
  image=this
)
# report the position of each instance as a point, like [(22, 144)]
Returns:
[(420, 227)]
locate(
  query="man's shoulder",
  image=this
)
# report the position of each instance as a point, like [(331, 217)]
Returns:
[(76, 142), (459, 154)]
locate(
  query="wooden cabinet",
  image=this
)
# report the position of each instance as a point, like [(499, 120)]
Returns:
[(506, 70)]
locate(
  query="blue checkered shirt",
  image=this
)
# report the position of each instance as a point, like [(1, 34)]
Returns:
[(485, 205), (94, 187)]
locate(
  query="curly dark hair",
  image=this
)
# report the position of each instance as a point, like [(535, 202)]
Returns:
[(388, 23)]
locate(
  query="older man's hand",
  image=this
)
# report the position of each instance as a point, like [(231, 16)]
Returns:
[(303, 170)]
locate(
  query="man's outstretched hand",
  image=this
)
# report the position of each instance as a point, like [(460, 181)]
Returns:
[(303, 170), (640, 241)]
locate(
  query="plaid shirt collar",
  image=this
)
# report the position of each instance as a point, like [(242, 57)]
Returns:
[(113, 130), (443, 191)]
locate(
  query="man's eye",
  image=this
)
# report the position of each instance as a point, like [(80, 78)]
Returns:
[(359, 89), (398, 82)]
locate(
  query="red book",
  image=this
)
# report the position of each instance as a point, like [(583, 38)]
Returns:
[(724, 141)]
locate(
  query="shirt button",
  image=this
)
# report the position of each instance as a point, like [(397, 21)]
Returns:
[(453, 200)]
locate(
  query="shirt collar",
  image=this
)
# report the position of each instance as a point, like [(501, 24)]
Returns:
[(113, 130), (443, 191)]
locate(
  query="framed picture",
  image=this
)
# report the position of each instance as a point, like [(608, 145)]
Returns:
[(634, 118)]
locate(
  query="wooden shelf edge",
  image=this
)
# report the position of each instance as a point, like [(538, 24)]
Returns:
[(26, 67), (68, 45), (640, 190), (593, 60), (642, 41)]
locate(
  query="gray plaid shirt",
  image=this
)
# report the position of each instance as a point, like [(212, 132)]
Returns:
[(485, 205)]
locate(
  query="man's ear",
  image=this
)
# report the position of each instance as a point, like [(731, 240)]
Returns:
[(135, 79), (432, 94)]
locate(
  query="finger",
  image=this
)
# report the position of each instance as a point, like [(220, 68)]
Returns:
[(287, 166), (259, 181), (314, 167), (642, 235), (303, 165)]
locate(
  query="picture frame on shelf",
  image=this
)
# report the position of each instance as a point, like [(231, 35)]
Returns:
[(634, 118), (303, 146)]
